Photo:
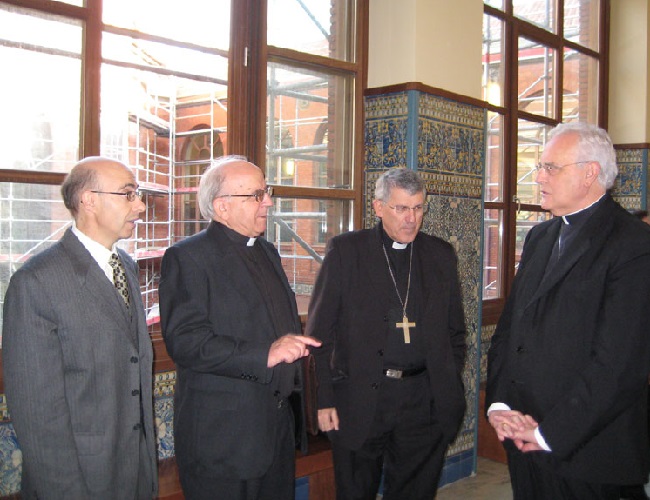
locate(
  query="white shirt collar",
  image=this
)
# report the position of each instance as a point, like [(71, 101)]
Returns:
[(98, 252)]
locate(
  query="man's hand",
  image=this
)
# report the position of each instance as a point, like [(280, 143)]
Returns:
[(328, 419), (507, 423), (526, 440), (289, 348), (511, 424)]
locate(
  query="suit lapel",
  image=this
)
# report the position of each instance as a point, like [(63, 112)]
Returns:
[(93, 282), (561, 269), (137, 313), (431, 278), (237, 268), (379, 276), (593, 233), (277, 266), (537, 262)]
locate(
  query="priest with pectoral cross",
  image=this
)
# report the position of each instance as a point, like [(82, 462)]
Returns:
[(387, 306)]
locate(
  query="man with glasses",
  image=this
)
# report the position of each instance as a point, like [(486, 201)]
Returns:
[(568, 364), (76, 352), (387, 306), (230, 323)]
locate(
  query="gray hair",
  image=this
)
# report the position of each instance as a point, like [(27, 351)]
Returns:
[(594, 144), (399, 177), (211, 182), (82, 177)]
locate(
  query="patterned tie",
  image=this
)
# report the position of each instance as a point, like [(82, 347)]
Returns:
[(119, 278)]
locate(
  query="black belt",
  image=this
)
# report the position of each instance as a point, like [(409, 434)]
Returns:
[(411, 372)]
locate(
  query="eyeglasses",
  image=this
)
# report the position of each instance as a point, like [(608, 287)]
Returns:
[(552, 168), (130, 195), (258, 194), (402, 209)]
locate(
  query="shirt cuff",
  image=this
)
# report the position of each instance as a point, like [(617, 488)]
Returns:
[(497, 406), (541, 441)]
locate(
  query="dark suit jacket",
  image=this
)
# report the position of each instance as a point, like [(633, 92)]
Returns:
[(218, 330), (348, 312), (71, 368), (573, 349)]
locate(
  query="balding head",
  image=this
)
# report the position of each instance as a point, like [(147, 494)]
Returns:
[(214, 178), (84, 176)]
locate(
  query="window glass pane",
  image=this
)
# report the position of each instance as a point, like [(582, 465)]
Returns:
[(44, 102), (309, 142), (535, 77), (300, 229), (531, 138), (320, 27), (525, 221), (492, 253), (494, 159), (498, 4), (201, 22), (165, 58), (539, 12), (581, 22), (168, 130), (580, 90), (32, 218), (493, 57)]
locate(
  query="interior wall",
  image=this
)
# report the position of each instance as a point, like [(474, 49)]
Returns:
[(434, 42), (629, 105)]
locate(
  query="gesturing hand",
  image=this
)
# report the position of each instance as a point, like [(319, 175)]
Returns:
[(289, 348)]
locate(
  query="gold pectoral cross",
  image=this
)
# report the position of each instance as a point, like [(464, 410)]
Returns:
[(405, 326)]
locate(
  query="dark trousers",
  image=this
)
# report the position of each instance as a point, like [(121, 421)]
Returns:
[(278, 483), (530, 481), (405, 442)]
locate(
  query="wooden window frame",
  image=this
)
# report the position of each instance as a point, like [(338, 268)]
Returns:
[(513, 29), (249, 56)]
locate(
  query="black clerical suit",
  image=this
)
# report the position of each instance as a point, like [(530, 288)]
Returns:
[(572, 349), (354, 311), (222, 304)]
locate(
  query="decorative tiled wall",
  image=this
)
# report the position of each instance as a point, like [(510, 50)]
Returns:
[(631, 187), (11, 457), (444, 140)]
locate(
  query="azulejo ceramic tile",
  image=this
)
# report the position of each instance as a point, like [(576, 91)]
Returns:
[(445, 141)]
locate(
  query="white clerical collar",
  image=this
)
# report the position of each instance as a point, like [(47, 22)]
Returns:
[(565, 218), (399, 246), (251, 242)]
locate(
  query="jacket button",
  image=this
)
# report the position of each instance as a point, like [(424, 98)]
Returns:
[(134, 359), (520, 348), (380, 352), (374, 385), (135, 392), (385, 318), (137, 427)]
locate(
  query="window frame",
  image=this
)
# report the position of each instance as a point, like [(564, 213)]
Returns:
[(514, 29), (247, 70)]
